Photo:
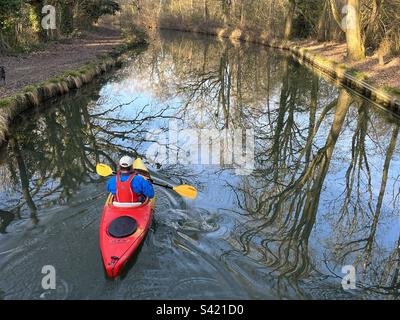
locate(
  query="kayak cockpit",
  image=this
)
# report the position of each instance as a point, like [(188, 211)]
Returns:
[(126, 204), (122, 227)]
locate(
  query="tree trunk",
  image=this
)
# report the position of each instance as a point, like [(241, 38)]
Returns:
[(242, 14), (355, 44), (369, 28), (289, 20), (322, 24), (335, 12), (384, 180), (352, 28), (69, 17), (226, 8), (24, 178), (38, 6), (206, 12)]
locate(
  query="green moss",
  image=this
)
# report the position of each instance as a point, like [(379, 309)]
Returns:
[(326, 61), (30, 88), (71, 73), (55, 80), (391, 90), (87, 68), (6, 102), (19, 97), (50, 81), (357, 74)]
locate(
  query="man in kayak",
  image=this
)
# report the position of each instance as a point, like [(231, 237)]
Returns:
[(127, 186)]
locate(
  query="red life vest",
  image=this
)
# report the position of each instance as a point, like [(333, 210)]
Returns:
[(125, 194)]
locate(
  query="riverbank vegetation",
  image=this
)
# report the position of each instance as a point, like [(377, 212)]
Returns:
[(366, 26), (363, 34), (21, 21)]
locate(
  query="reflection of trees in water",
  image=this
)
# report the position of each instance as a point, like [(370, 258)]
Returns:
[(380, 267), (6, 218), (51, 155), (298, 120), (289, 209), (220, 84), (289, 214)]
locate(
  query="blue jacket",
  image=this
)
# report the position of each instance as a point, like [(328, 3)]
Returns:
[(139, 185)]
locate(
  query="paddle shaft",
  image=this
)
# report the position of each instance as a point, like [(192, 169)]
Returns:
[(162, 185)]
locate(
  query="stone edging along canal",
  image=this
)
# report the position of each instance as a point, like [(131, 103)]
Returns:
[(344, 77), (34, 95), (339, 72)]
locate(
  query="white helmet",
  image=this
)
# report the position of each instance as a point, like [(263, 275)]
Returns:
[(126, 162)]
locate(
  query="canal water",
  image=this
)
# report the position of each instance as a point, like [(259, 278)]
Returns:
[(298, 181)]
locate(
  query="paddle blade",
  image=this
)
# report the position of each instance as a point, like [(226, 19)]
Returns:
[(139, 165), (103, 170), (186, 191)]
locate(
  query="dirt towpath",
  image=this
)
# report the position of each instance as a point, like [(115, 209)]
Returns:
[(57, 58), (380, 76)]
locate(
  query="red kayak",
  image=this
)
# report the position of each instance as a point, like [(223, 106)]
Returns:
[(122, 229)]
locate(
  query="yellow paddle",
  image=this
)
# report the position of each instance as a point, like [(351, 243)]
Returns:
[(104, 170), (184, 190)]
